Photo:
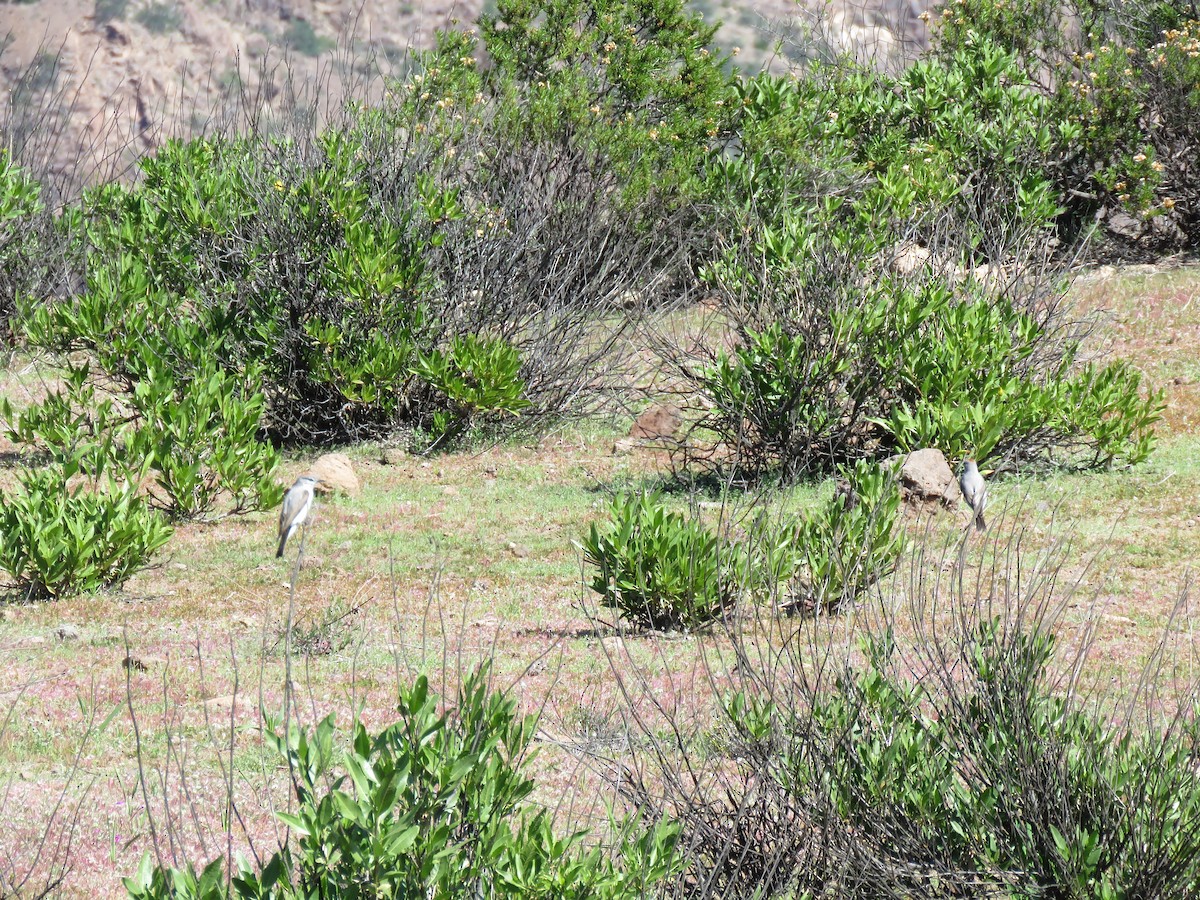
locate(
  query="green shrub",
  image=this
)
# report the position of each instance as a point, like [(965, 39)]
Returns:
[(109, 10), (1121, 84), (202, 438), (364, 292), (474, 378), (834, 362), (196, 440), (301, 37), (852, 541), (973, 380), (23, 223), (436, 805), (962, 769), (640, 82), (63, 534), (659, 568)]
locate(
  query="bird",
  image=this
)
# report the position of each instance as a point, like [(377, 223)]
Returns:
[(974, 491), (297, 503)]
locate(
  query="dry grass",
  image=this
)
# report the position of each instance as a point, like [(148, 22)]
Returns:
[(442, 562)]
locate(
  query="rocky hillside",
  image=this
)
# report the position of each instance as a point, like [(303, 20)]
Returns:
[(94, 84)]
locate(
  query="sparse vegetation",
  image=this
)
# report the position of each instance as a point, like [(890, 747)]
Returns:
[(159, 17), (109, 10), (567, 213), (303, 38)]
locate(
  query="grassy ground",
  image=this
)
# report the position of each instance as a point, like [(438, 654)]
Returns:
[(439, 563)]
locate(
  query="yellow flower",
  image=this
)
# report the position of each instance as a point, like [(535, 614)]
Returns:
[(1168, 203)]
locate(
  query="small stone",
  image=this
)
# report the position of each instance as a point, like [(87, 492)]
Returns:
[(390, 456), (910, 258), (658, 423), (66, 632), (334, 472)]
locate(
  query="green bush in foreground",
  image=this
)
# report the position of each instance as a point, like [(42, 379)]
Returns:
[(434, 806), (659, 568), (961, 767), (74, 528)]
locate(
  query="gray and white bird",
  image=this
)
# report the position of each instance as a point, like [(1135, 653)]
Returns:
[(297, 504), (974, 491)]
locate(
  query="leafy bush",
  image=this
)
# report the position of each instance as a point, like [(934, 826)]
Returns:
[(958, 763), (833, 360), (477, 377), (23, 224), (366, 278), (642, 82), (201, 439), (1120, 80), (197, 440), (961, 136), (435, 805), (65, 533), (303, 38), (852, 541), (659, 568), (109, 10)]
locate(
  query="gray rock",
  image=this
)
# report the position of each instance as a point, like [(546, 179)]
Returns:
[(1123, 225), (925, 475)]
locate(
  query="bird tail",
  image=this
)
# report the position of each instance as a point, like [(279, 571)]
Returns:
[(980, 525), (283, 539)]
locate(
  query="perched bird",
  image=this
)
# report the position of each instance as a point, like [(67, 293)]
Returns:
[(297, 503), (974, 491)]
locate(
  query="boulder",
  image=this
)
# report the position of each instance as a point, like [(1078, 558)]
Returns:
[(658, 423), (334, 472), (925, 475), (910, 258)]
